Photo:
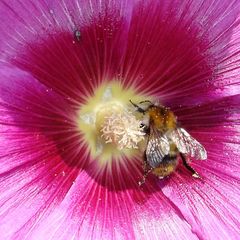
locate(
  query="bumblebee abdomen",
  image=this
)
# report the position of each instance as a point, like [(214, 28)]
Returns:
[(167, 166), (168, 163)]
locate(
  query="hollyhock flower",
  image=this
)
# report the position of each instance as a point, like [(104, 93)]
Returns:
[(71, 145)]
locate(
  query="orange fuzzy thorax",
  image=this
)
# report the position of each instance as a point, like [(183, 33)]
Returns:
[(162, 118)]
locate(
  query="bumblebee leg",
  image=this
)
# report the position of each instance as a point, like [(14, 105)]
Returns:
[(144, 177), (188, 167), (146, 171), (146, 129)]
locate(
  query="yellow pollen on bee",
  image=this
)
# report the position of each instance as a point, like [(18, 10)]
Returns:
[(110, 127)]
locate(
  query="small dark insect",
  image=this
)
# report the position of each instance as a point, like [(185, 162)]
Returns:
[(77, 35), (167, 142)]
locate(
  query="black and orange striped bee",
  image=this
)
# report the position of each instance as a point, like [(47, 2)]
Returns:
[(167, 142)]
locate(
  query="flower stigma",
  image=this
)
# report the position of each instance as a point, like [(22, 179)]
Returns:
[(110, 125)]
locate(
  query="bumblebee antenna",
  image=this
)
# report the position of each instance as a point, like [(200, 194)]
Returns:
[(139, 109), (145, 101)]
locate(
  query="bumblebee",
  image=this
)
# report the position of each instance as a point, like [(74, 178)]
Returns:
[(167, 143)]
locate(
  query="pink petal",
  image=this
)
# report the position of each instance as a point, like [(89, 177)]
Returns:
[(34, 177), (222, 112), (183, 50), (83, 64), (102, 214), (41, 190), (210, 206)]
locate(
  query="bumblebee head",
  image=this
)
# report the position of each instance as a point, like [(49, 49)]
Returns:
[(142, 106)]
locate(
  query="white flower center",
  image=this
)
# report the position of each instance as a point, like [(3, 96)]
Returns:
[(122, 129)]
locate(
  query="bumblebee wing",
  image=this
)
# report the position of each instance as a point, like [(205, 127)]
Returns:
[(157, 147), (187, 144)]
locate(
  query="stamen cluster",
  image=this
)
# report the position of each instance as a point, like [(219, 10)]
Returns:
[(123, 129)]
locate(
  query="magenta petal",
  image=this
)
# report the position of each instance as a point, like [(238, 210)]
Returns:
[(35, 173), (183, 50), (52, 45), (42, 196), (222, 112), (210, 206)]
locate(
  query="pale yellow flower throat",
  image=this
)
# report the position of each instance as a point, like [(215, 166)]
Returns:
[(110, 125)]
